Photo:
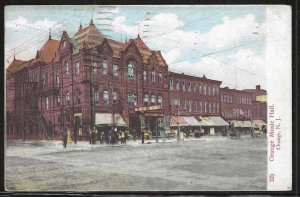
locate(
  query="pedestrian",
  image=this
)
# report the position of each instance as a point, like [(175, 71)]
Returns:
[(69, 138), (123, 137), (143, 137), (65, 138), (75, 135), (134, 134), (90, 134)]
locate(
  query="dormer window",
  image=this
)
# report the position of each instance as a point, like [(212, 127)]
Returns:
[(64, 44)]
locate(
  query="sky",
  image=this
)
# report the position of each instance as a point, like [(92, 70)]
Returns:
[(225, 43)]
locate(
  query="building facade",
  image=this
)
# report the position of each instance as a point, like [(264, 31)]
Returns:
[(88, 82)]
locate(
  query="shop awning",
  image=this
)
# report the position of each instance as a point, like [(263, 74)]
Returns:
[(258, 123), (247, 123), (213, 121), (191, 121), (238, 123), (105, 119), (178, 119)]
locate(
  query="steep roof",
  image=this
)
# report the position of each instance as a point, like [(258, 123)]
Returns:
[(14, 65), (48, 51), (89, 35)]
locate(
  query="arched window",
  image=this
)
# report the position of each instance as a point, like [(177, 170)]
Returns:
[(104, 67), (58, 100), (67, 98), (105, 97), (77, 68), (115, 70), (96, 95), (67, 68), (114, 97), (153, 75), (153, 100), (159, 100), (78, 96), (130, 70), (146, 100), (131, 98)]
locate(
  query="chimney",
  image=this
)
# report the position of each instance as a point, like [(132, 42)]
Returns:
[(257, 87)]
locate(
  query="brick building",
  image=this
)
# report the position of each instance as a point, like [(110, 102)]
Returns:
[(89, 81)]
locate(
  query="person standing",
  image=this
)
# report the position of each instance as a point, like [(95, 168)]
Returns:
[(143, 137), (75, 135), (123, 137), (65, 138)]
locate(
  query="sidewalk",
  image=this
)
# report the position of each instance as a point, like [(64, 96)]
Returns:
[(57, 146)]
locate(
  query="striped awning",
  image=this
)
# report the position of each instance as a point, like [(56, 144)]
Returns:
[(213, 121), (175, 120), (191, 121), (105, 119)]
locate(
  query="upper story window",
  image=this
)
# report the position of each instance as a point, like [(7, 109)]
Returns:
[(205, 107), (209, 107), (200, 89), (104, 67), (208, 90), (67, 69), (130, 70), (177, 85), (171, 84), (190, 106), (183, 104), (132, 99), (64, 43), (146, 100), (105, 97), (213, 91), (159, 100), (159, 78), (78, 96), (195, 105), (47, 102), (96, 96), (153, 100), (58, 100), (57, 78), (200, 106), (145, 75), (183, 86), (115, 70), (77, 68), (67, 98), (94, 68), (153, 75), (45, 79), (114, 97), (204, 89), (217, 107), (195, 88), (190, 86)]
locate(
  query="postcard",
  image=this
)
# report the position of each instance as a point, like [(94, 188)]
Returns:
[(148, 98)]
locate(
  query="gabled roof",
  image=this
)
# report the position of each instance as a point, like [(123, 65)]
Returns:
[(48, 51), (14, 65)]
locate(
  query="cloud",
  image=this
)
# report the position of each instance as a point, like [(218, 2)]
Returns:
[(22, 23), (172, 55), (251, 72), (232, 31)]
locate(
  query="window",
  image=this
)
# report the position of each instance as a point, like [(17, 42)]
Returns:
[(130, 70), (104, 67), (183, 86), (131, 99), (115, 70), (204, 89), (57, 78), (105, 97), (190, 87), (45, 79), (205, 108), (214, 107), (145, 75), (208, 90), (146, 100), (217, 107), (200, 89), (47, 103), (67, 68), (183, 104), (77, 68), (94, 68), (209, 107), (153, 100), (177, 85), (200, 106), (64, 43), (78, 96), (159, 78), (190, 106), (96, 96), (195, 105), (159, 100), (114, 97), (171, 84), (153, 75), (213, 91), (58, 100), (68, 99), (217, 91), (195, 88)]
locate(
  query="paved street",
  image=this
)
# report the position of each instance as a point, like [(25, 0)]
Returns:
[(211, 163)]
